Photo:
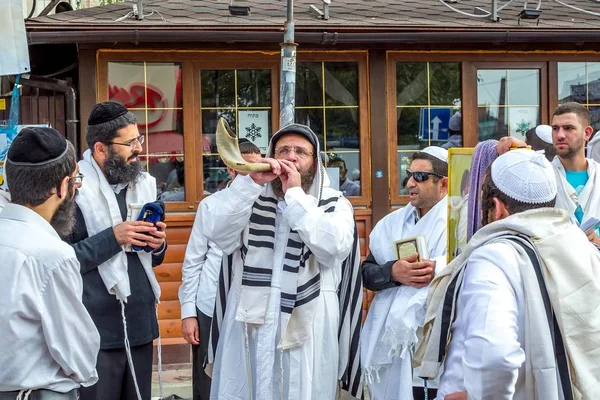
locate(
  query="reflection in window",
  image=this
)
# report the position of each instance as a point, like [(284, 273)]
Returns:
[(580, 82), (428, 104), (508, 102), (152, 92), (327, 101), (243, 98)]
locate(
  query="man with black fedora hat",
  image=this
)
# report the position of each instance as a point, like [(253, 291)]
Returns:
[(50, 343), (120, 289)]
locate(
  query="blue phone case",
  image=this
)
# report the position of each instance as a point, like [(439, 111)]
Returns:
[(151, 212)]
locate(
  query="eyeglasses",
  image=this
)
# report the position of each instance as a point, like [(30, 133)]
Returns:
[(132, 143), (421, 176), (285, 151), (78, 179)]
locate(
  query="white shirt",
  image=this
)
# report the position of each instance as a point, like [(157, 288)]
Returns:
[(49, 341), (486, 356), (200, 271), (4, 199)]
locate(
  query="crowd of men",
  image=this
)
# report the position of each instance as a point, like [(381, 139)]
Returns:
[(272, 278)]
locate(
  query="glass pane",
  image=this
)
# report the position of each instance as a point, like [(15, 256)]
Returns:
[(215, 174), (217, 88), (166, 140), (593, 79), (524, 87), (169, 172), (313, 118), (211, 117), (491, 87), (444, 83), (255, 125), (571, 82), (346, 172), (521, 119), (595, 118), (492, 123), (404, 159), (126, 84), (309, 92), (411, 83), (341, 84), (163, 85), (408, 126), (342, 129), (254, 88)]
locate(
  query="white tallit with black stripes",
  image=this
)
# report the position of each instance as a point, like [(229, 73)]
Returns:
[(301, 287)]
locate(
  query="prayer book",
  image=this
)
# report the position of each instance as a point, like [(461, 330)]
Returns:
[(409, 246), (590, 224)]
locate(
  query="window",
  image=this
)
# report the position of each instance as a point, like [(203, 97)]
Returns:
[(428, 97), (243, 98), (327, 100), (580, 82), (152, 92)]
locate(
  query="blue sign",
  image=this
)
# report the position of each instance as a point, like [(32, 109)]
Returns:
[(434, 123), (379, 174)]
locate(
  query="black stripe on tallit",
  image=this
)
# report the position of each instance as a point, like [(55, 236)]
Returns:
[(262, 232), (249, 282), (309, 283), (329, 210), (294, 244), (269, 209), (324, 202), (449, 299), (291, 269), (261, 243), (262, 220), (293, 257), (256, 270), (309, 298), (220, 306), (268, 199)]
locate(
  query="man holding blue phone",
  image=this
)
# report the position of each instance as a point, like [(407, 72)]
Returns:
[(117, 253)]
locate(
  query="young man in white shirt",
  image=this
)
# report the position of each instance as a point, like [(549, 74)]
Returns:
[(50, 343), (200, 276)]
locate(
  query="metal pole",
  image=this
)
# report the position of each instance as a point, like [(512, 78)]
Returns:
[(287, 92), (495, 10)]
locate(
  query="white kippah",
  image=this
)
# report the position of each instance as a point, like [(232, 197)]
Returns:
[(525, 175), (544, 132), (437, 152)]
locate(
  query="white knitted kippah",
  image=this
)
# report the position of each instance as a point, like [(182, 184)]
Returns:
[(437, 152), (525, 175), (544, 132)]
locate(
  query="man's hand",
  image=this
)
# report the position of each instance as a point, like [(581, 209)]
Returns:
[(265, 177), (408, 271), (136, 233), (290, 177), (457, 396), (508, 142), (189, 328), (593, 237), (158, 238)]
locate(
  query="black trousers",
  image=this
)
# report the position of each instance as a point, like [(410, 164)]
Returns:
[(419, 393), (201, 381), (115, 381)]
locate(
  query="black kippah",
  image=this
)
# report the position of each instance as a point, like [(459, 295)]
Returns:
[(104, 112), (37, 146)]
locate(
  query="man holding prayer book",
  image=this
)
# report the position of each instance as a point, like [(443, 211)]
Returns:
[(401, 279)]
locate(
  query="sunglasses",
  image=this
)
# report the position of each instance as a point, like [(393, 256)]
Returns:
[(421, 176)]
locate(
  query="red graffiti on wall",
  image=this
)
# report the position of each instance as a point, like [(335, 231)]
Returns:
[(134, 98)]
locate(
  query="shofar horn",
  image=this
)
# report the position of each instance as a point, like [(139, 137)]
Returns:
[(229, 150)]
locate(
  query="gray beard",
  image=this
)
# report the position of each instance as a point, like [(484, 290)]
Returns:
[(118, 171), (306, 180)]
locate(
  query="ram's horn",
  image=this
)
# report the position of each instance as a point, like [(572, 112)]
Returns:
[(229, 150)]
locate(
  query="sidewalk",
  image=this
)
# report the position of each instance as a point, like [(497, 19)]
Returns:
[(176, 381)]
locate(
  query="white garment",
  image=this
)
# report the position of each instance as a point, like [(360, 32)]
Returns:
[(4, 199), (49, 341), (100, 210), (488, 335), (200, 270), (395, 315), (310, 370), (593, 148), (589, 199)]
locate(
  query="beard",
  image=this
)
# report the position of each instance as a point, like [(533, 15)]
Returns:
[(571, 151), (306, 180), (118, 170), (63, 219)]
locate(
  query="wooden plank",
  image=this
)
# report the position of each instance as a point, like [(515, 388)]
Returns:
[(168, 272), (43, 110), (170, 341), (52, 111), (33, 100), (175, 253), (86, 91), (170, 328), (25, 112), (59, 105), (178, 235), (169, 291), (169, 310)]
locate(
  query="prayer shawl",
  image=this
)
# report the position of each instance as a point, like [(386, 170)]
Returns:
[(589, 199), (100, 209), (4, 199), (571, 272), (485, 153), (300, 283), (395, 315), (593, 147)]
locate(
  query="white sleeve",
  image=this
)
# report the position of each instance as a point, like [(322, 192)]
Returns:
[(70, 333), (228, 211), (328, 235), (489, 307), (193, 262)]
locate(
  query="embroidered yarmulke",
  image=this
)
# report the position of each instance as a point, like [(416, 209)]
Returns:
[(37, 146), (544, 132), (104, 112), (437, 152), (525, 175)]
